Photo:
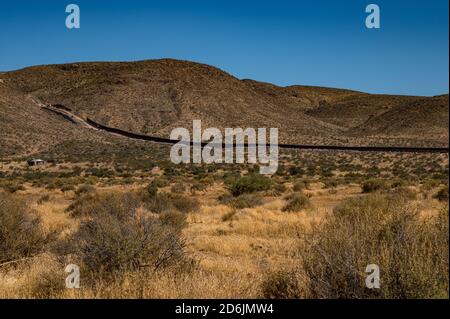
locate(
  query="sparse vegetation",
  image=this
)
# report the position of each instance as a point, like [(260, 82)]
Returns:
[(21, 235), (442, 194), (250, 184), (111, 244), (411, 253), (236, 222), (296, 202), (373, 185), (242, 201)]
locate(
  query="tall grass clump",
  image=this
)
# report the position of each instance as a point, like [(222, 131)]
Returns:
[(412, 252), (112, 203), (21, 234), (125, 237)]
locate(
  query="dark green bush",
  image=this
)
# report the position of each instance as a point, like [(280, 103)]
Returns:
[(249, 184), (152, 189)]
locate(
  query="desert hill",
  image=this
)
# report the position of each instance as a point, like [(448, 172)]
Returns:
[(152, 97)]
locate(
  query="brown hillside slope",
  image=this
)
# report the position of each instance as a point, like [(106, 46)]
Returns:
[(421, 117), (152, 97), (27, 129), (354, 110)]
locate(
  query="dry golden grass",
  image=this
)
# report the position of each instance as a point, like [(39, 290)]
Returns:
[(235, 250)]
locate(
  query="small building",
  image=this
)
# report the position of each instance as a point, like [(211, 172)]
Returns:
[(35, 162)]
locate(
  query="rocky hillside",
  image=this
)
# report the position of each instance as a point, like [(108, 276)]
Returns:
[(152, 97)]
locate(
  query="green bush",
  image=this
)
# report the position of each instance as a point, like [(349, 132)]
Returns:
[(249, 184), (152, 189)]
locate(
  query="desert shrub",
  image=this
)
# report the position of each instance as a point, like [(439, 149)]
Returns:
[(429, 184), (21, 234), (412, 253), (330, 183), (67, 187), (404, 192), (109, 246), (166, 202), (442, 194), (296, 202), (230, 216), (178, 188), (184, 204), (99, 172), (249, 184), (299, 186), (54, 183), (159, 203), (83, 189), (47, 283), (242, 201), (247, 201), (113, 203), (173, 218), (398, 183), (276, 190), (372, 185), (12, 187), (161, 182), (296, 171), (152, 189), (43, 199), (198, 186), (281, 285)]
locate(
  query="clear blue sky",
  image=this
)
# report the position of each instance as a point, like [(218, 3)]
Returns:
[(320, 42)]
